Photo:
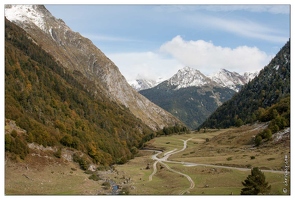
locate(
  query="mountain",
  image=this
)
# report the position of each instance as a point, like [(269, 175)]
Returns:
[(81, 57), (189, 95), (187, 77), (232, 80), (192, 97), (143, 84), (270, 87), (56, 108)]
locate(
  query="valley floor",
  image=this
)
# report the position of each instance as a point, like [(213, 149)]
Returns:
[(217, 166), (211, 163)]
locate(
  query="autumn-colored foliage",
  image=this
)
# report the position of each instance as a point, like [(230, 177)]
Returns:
[(56, 107)]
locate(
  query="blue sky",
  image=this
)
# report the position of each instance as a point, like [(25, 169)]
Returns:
[(153, 41)]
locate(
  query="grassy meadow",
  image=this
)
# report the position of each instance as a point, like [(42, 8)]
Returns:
[(44, 174), (228, 147)]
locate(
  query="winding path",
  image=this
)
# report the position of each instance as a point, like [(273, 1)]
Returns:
[(164, 159), (192, 184)]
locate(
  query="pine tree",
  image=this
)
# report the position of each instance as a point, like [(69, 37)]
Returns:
[(255, 183)]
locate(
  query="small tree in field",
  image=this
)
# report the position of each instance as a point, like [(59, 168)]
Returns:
[(258, 140), (255, 183)]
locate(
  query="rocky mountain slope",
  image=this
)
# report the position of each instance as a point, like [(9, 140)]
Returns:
[(270, 87), (79, 55)]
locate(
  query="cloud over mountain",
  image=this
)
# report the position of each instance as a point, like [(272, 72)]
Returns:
[(209, 58)]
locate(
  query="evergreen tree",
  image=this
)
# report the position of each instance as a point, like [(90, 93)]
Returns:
[(255, 183)]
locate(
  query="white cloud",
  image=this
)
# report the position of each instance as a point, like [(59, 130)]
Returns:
[(177, 53), (149, 65), (208, 58)]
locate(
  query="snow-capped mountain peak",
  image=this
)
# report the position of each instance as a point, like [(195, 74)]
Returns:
[(26, 13), (143, 84), (187, 77), (232, 80), (28, 16)]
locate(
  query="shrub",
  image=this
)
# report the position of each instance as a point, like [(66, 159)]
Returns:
[(252, 157), (58, 153), (88, 172), (94, 177), (13, 133), (268, 134), (106, 184), (125, 191), (258, 140), (84, 164), (229, 158)]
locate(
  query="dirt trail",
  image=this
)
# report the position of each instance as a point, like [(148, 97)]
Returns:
[(185, 175), (164, 159)]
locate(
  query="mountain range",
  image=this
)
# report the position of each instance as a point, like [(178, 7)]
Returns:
[(192, 97), (188, 77)]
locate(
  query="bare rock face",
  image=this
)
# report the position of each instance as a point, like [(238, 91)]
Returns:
[(79, 54)]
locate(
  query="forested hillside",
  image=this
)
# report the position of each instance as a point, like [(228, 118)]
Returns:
[(80, 56), (268, 88), (192, 105), (56, 109)]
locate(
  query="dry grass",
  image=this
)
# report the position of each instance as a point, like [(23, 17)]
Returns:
[(233, 147), (163, 182), (47, 176), (227, 147)]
